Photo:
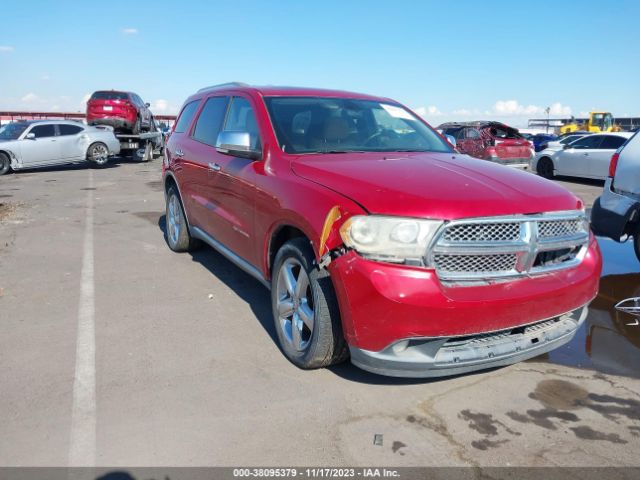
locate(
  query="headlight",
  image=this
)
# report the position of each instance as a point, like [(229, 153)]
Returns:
[(389, 239)]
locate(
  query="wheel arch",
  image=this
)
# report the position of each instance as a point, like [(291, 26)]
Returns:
[(281, 234)]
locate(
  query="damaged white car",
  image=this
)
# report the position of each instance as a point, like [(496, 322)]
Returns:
[(44, 143)]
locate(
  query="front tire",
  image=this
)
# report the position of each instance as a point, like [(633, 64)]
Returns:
[(5, 163), (636, 242), (305, 309), (178, 237), (545, 168), (98, 154)]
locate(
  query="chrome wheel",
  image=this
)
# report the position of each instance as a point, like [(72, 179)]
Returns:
[(174, 219), (295, 306), (99, 154)]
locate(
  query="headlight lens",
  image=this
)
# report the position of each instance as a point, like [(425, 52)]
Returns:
[(389, 239)]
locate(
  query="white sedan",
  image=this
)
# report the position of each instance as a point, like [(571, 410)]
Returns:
[(44, 143), (587, 157)]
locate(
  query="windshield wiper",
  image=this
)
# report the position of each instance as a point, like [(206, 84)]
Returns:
[(342, 151)]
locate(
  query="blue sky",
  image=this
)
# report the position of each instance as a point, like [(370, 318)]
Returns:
[(448, 60)]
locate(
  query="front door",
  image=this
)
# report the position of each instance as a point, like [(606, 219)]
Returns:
[(232, 183), (575, 161), (43, 149)]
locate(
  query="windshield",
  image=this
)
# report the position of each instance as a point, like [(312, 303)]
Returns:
[(11, 131), (338, 125), (597, 119)]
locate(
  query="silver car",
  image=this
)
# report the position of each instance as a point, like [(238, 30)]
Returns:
[(616, 213), (586, 157), (43, 143)]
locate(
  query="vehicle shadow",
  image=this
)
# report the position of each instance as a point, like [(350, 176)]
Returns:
[(259, 299), (244, 285), (66, 167), (581, 181)]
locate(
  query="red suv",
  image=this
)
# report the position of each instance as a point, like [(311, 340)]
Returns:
[(374, 236), (491, 141), (124, 111)]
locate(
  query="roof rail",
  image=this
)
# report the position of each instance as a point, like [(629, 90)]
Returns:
[(224, 85)]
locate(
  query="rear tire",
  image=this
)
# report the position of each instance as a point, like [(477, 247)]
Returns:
[(178, 237), (305, 309), (136, 126), (5, 163), (98, 154), (545, 168)]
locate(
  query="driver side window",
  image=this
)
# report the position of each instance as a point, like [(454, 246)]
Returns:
[(587, 143), (43, 131)]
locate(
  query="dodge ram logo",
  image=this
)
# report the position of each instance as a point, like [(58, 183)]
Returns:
[(630, 306)]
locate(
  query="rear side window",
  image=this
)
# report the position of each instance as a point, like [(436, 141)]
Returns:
[(210, 120), (612, 143), (69, 129), (41, 131), (110, 96), (186, 116)]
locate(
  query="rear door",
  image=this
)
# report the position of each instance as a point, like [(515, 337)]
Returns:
[(72, 141), (600, 158), (575, 160), (206, 208), (43, 149)]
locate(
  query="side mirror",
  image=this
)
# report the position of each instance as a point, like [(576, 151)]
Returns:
[(237, 144), (147, 105), (30, 136), (566, 146)]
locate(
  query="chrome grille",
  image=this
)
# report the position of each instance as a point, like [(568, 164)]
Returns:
[(558, 228), (482, 249), (476, 263), (479, 232)]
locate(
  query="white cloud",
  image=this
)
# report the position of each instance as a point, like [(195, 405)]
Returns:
[(30, 98), (160, 106), (6, 49), (514, 108), (130, 31), (45, 77), (430, 111), (163, 107)]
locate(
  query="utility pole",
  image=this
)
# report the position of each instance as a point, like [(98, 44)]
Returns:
[(547, 111)]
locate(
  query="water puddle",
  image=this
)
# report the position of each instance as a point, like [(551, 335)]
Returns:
[(609, 340)]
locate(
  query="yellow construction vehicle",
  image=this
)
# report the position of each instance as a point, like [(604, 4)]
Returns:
[(597, 122)]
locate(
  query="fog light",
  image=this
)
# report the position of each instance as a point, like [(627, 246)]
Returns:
[(400, 346)]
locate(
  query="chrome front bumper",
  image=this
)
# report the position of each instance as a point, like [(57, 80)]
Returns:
[(444, 356)]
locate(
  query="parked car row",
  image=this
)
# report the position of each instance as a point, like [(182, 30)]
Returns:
[(44, 143), (375, 235), (116, 121)]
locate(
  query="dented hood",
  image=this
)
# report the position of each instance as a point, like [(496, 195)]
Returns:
[(433, 185)]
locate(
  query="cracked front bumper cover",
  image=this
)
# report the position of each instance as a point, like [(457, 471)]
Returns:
[(445, 356)]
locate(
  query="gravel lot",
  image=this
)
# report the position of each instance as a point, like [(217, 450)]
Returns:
[(175, 359)]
